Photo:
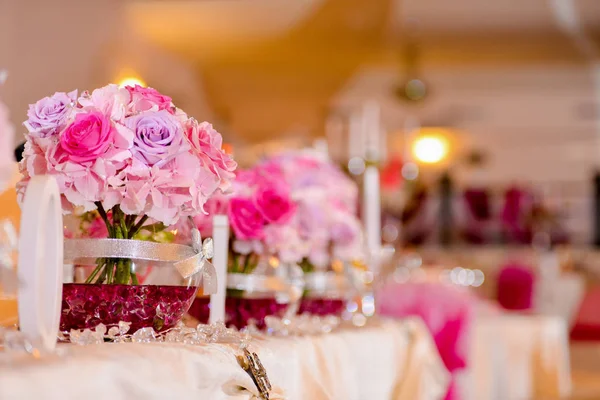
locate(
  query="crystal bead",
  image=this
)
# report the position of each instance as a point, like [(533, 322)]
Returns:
[(124, 327), (85, 337), (101, 329), (113, 332), (15, 341), (144, 335)]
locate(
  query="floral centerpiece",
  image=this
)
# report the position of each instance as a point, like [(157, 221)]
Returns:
[(137, 162), (326, 223), (264, 242)]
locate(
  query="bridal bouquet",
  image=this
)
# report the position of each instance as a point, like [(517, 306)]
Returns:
[(127, 154)]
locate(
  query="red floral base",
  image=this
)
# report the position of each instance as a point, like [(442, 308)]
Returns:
[(84, 306), (322, 306), (239, 311)]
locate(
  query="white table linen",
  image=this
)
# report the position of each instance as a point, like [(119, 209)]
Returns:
[(516, 357), (385, 360), (559, 296)]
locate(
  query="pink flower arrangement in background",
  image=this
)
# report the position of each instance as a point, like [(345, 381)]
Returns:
[(260, 209), (327, 222), (295, 206), (126, 147)]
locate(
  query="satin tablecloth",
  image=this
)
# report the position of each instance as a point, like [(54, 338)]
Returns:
[(385, 360), (516, 357)]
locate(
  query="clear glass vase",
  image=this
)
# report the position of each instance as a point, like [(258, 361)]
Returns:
[(144, 290), (270, 288), (327, 290)]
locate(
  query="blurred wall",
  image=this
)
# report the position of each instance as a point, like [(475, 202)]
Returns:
[(537, 125), (60, 45)]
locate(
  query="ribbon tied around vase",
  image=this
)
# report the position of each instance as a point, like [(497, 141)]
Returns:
[(187, 260)]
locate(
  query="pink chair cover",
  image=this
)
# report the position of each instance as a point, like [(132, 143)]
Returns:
[(446, 310), (478, 215), (517, 204), (515, 287)]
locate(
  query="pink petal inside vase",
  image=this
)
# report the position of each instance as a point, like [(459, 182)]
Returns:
[(239, 311), (322, 306), (161, 307)]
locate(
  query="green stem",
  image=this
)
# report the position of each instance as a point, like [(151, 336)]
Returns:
[(246, 264), (104, 217), (122, 226), (102, 275), (134, 278), (110, 267), (99, 266), (136, 228)]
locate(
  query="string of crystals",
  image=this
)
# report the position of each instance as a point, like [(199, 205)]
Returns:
[(201, 334)]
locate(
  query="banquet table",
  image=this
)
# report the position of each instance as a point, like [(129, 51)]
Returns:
[(383, 360), (517, 357)]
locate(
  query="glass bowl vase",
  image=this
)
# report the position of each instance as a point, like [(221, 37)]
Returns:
[(144, 292), (326, 293), (269, 290)]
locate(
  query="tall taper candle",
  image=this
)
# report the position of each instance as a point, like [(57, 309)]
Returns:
[(221, 243), (355, 137), (371, 130), (372, 215)]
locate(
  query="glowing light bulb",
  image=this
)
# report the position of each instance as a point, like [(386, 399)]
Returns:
[(131, 81), (430, 149)]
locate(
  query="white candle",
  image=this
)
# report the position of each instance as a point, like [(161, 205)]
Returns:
[(371, 130), (372, 215), (355, 137), (221, 245)]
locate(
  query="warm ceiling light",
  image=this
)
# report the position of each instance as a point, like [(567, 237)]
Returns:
[(131, 81), (430, 149)]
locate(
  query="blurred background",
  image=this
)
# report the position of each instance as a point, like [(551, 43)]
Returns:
[(483, 116)]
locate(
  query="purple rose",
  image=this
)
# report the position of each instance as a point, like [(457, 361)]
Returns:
[(158, 137), (47, 115)]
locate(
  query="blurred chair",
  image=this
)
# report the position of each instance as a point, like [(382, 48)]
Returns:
[(515, 287), (517, 205), (478, 215), (446, 310)]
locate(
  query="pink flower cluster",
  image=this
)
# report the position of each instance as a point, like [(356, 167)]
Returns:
[(326, 221), (259, 209), (294, 206), (125, 146)]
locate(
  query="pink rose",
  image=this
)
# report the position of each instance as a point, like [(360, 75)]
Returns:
[(144, 99), (275, 206), (88, 137), (246, 221), (208, 143)]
